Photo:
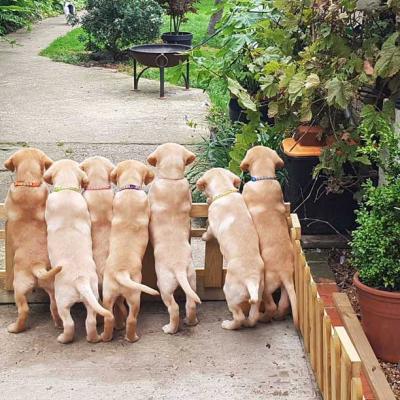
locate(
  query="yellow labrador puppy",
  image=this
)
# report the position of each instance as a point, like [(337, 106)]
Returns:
[(170, 203), (25, 205), (128, 242), (70, 246), (264, 199), (99, 196), (231, 224)]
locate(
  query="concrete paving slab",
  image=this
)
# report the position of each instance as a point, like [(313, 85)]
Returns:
[(202, 362)]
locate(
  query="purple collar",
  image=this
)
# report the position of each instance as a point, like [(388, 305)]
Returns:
[(131, 186)]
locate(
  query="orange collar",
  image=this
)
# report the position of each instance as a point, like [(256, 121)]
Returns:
[(27, 184)]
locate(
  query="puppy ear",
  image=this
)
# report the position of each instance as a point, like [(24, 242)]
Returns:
[(84, 179), (279, 164), (114, 176), (82, 166), (190, 157), (47, 162), (245, 164), (149, 176), (152, 158), (201, 184), (9, 164), (48, 176), (236, 180)]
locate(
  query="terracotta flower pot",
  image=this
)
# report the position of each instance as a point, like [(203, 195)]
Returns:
[(308, 135), (380, 317)]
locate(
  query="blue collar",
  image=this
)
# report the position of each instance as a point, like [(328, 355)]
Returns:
[(263, 178), (131, 186)]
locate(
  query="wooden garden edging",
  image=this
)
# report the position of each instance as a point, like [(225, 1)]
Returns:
[(343, 362)]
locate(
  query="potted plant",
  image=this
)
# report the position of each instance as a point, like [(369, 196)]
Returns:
[(376, 255), (177, 11)]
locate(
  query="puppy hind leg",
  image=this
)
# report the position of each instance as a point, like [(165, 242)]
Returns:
[(108, 302), (238, 318), (270, 308), (131, 323), (91, 325), (283, 306), (254, 315), (191, 317), (64, 310), (20, 291), (173, 310), (53, 309)]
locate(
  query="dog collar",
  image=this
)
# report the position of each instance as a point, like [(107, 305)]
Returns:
[(32, 184), (131, 186), (262, 178), (223, 194), (60, 189), (98, 188)]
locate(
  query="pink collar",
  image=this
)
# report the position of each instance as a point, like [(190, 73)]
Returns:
[(98, 187)]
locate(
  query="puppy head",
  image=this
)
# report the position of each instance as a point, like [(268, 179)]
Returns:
[(68, 170), (30, 159), (171, 158), (99, 167), (261, 155), (131, 171), (217, 180)]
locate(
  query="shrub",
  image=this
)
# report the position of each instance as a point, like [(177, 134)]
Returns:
[(376, 242), (114, 25), (177, 10)]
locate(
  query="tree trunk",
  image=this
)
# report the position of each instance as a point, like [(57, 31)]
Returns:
[(215, 18)]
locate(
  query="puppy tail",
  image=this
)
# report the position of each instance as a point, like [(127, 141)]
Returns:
[(83, 287), (253, 289), (44, 274), (293, 302), (184, 283), (125, 280)]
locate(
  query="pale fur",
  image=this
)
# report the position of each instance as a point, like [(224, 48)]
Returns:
[(128, 242), (231, 224), (264, 200), (170, 203), (26, 227), (70, 246)]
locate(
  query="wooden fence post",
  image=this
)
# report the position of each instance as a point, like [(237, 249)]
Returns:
[(326, 359), (213, 269)]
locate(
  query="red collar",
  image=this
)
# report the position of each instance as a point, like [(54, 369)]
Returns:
[(27, 184)]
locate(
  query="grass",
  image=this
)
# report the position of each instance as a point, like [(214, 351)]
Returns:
[(71, 49)]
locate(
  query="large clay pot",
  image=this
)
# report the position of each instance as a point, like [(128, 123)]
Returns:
[(380, 317), (308, 135)]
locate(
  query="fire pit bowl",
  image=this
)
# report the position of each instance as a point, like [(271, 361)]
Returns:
[(159, 56)]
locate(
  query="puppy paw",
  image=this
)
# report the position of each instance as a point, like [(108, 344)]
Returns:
[(93, 338), (64, 339), (265, 318), (169, 329), (190, 322), (249, 323), (105, 338), (14, 328), (230, 325), (133, 339)]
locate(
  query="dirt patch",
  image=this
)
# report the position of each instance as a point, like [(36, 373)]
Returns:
[(339, 261)]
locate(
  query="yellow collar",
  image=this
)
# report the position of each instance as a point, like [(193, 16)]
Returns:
[(223, 194), (60, 189)]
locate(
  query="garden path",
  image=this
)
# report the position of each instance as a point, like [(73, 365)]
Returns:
[(77, 111)]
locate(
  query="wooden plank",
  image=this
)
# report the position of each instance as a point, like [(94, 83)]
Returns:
[(296, 225), (287, 209), (370, 365), (306, 325), (2, 234), (312, 313), (319, 316), (2, 211), (199, 210), (9, 256), (302, 264), (335, 365), (324, 242), (326, 360), (197, 232), (345, 376), (356, 389), (213, 276)]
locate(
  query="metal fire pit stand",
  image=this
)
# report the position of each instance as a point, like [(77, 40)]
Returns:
[(162, 63)]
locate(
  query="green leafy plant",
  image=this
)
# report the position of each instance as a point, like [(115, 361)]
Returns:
[(114, 25), (177, 11), (376, 242)]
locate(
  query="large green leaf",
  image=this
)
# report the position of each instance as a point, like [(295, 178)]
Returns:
[(388, 63), (296, 86), (312, 81), (339, 92), (244, 98)]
